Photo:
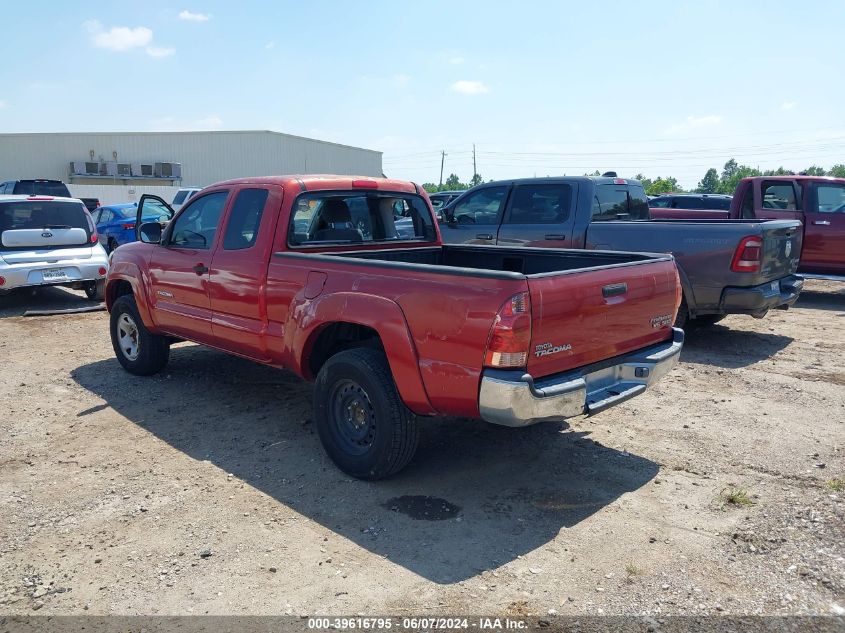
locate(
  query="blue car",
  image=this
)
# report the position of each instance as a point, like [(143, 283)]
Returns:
[(116, 224)]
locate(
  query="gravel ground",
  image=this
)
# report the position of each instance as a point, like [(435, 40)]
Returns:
[(205, 490)]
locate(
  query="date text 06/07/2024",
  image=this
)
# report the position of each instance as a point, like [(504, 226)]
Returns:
[(417, 623)]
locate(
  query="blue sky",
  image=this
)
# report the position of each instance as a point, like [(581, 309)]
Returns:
[(663, 88)]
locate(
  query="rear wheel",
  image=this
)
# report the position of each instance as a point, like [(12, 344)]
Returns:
[(95, 290), (137, 349), (363, 424)]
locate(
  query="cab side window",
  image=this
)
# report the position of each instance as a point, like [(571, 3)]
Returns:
[(481, 207), (831, 198), (540, 204), (197, 225), (615, 202), (245, 219), (780, 195)]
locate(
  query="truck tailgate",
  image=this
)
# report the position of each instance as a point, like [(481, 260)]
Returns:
[(580, 319), (781, 249)]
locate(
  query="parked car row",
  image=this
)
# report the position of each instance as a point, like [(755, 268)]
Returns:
[(741, 267)]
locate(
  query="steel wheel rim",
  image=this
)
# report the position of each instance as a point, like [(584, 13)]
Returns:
[(353, 417), (127, 336)]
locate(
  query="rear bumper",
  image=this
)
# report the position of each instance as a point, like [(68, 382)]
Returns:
[(33, 274), (514, 398), (757, 300)]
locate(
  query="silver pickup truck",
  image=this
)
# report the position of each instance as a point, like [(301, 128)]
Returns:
[(726, 267)]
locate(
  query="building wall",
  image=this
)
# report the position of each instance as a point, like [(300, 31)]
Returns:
[(206, 157), (115, 194)]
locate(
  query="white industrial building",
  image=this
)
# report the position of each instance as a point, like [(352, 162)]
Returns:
[(120, 166)]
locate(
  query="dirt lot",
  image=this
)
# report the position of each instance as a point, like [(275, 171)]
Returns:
[(205, 489)]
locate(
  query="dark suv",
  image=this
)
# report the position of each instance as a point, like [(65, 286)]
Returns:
[(710, 201), (37, 187)]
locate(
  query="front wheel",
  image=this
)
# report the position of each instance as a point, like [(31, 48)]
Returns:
[(137, 349), (363, 424)]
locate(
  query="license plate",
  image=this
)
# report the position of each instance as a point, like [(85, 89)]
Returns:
[(55, 274)]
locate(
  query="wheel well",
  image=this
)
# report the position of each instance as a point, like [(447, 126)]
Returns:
[(338, 337), (118, 289)]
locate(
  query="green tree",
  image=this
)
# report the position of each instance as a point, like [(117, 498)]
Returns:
[(454, 183), (710, 182), (430, 187), (814, 170), (663, 185), (476, 180), (733, 173), (837, 171), (644, 181)]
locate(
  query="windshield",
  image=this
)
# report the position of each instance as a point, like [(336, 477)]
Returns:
[(359, 217), (24, 215), (127, 212), (41, 188)]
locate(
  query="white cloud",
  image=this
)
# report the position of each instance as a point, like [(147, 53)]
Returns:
[(118, 38), (467, 87), (456, 60), (401, 79), (693, 122), (788, 105), (160, 51), (2, 103), (194, 17), (270, 45)]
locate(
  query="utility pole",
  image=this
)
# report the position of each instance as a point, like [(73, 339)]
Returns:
[(442, 159), (474, 172)]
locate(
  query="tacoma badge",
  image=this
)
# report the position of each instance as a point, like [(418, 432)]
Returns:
[(547, 349)]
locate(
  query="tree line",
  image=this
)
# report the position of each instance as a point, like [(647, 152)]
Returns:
[(712, 182)]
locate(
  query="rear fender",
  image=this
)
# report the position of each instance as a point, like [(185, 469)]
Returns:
[(310, 317)]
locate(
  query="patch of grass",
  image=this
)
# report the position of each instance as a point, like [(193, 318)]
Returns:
[(735, 497), (632, 570), (837, 485)]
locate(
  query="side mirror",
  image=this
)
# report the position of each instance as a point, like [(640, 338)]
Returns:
[(151, 233)]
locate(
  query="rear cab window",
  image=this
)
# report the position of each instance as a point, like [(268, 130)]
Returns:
[(44, 215), (339, 217), (619, 202)]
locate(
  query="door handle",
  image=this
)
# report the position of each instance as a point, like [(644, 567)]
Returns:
[(554, 236), (484, 236), (613, 290), (200, 269), (821, 222)]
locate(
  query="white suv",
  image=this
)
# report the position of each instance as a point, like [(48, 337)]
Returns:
[(50, 241), (182, 196)]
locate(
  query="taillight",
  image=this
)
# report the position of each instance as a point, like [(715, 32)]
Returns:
[(128, 227), (747, 256), (102, 271), (2, 281), (94, 237), (510, 335), (364, 184)]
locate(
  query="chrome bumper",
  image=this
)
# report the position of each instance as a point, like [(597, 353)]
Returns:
[(514, 398)]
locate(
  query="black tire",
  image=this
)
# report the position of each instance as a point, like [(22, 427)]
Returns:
[(682, 320), (707, 320), (363, 424), (150, 352), (95, 290)]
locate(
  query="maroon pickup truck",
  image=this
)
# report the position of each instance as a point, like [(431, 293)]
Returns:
[(819, 202), (345, 281)]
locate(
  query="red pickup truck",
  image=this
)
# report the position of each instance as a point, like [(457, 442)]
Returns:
[(345, 281), (817, 201)]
